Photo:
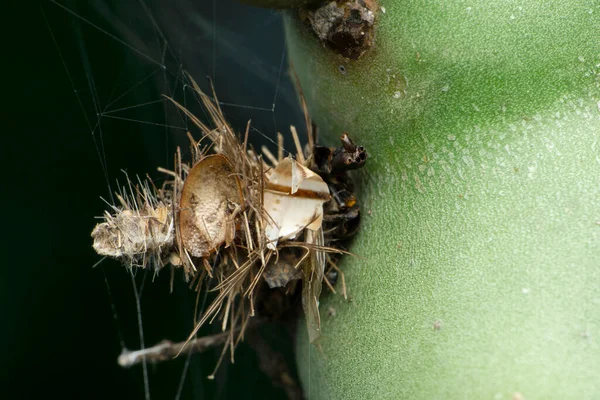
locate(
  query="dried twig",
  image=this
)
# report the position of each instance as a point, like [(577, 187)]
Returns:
[(167, 350)]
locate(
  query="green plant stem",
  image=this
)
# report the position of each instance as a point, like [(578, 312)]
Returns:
[(480, 203)]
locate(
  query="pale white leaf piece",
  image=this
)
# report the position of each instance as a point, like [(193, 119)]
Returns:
[(293, 199)]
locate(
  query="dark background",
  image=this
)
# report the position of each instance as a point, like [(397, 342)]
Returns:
[(60, 335)]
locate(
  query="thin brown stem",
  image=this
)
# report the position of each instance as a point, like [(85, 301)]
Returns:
[(167, 350)]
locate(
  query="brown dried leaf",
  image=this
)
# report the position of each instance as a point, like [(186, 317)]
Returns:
[(210, 196)]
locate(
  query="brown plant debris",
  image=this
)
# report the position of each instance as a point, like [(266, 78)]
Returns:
[(167, 350), (347, 27), (211, 195), (267, 233), (138, 231)]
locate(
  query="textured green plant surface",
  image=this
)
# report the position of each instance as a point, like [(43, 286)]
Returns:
[(481, 203)]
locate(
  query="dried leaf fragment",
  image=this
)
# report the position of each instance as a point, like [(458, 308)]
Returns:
[(211, 194), (293, 199)]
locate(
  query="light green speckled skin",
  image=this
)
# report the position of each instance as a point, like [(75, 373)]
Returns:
[(481, 203)]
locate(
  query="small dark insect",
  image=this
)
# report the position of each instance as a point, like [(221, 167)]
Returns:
[(341, 217), (342, 213)]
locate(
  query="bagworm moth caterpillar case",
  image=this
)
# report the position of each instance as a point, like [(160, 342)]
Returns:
[(255, 227)]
